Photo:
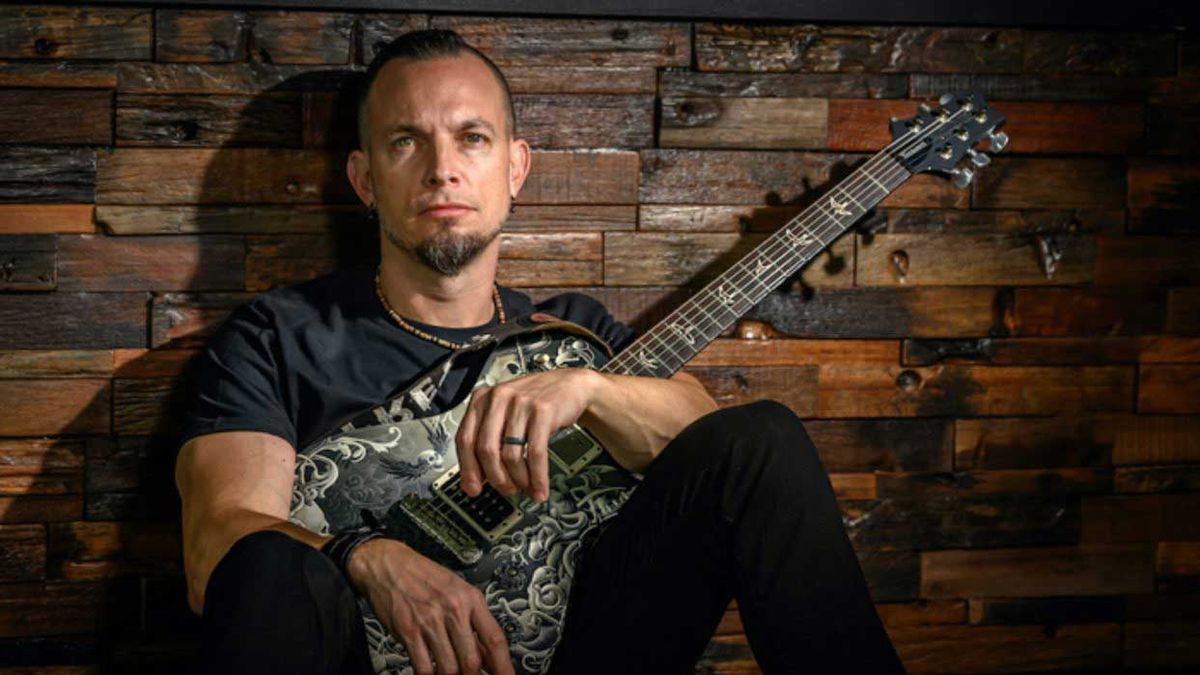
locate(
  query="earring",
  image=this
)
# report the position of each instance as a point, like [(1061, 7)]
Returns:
[(372, 214), (512, 205)]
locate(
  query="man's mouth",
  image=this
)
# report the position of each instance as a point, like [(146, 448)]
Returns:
[(446, 210)]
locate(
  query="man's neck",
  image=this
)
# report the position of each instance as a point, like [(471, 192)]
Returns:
[(420, 294)]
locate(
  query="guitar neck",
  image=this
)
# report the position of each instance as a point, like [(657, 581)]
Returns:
[(662, 350)]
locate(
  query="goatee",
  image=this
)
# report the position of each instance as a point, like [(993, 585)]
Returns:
[(446, 252)]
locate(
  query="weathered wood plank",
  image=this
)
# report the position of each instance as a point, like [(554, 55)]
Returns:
[(46, 219), (187, 320), (218, 219), (1165, 644), (1155, 479), (1024, 183), (853, 485), (637, 307), (1109, 53), (54, 406), (734, 352), (769, 178), (22, 552), (1034, 442), (270, 37), (922, 613), (58, 74), (671, 218), (55, 363), (550, 273), (1163, 195), (56, 117), (1069, 351), (1140, 518), (582, 178), (100, 263), (1038, 572), (33, 32), (979, 260), (1177, 565), (144, 363), (558, 80), (892, 576), (710, 122), (1183, 311), (677, 83), (92, 550), (697, 258), (585, 121), (198, 35), (1034, 127), (951, 521), (1072, 481), (191, 120), (148, 406), (1168, 388), (1157, 439), (35, 608), (794, 386), (1018, 223), (27, 262), (41, 175), (32, 508), (1033, 87), (574, 42), (1147, 260), (812, 48), (988, 649), (63, 320), (210, 176), (231, 78), (379, 29), (883, 445), (881, 313), (889, 391), (1046, 611), (552, 246), (1046, 312), (552, 218), (40, 467)]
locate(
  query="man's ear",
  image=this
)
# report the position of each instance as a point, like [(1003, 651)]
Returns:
[(519, 157), (358, 170)]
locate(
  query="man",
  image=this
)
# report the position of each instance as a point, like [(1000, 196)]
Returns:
[(734, 503)]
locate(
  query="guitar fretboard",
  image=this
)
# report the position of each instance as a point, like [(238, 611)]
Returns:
[(663, 349)]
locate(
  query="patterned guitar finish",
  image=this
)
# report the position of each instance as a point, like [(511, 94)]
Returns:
[(398, 461)]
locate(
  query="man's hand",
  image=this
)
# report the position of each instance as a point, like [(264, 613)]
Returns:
[(531, 407), (432, 611)]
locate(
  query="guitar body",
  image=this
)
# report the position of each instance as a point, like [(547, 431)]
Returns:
[(403, 468)]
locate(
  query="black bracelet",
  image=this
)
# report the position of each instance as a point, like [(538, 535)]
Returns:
[(341, 545)]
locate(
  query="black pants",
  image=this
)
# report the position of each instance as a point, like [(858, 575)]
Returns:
[(736, 506)]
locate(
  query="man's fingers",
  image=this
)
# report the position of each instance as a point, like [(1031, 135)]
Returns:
[(487, 443), (418, 653), (538, 457), (513, 454), (493, 641), (465, 646), (468, 467), (434, 632)]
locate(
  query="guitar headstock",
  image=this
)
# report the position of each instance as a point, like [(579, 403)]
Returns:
[(937, 139)]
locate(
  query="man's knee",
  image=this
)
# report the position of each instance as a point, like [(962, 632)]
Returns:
[(267, 562), (763, 428)]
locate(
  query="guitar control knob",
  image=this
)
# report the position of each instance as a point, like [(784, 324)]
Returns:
[(962, 177), (999, 140), (979, 159)]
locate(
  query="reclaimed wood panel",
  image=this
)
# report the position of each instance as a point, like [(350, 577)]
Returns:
[(1157, 439), (208, 262), (1146, 260), (1183, 311), (1028, 223), (1052, 351), (953, 521), (1154, 479), (1046, 611), (577, 42), (672, 218), (1164, 644), (21, 363), (585, 121), (56, 117), (711, 122), (145, 363), (581, 178), (1038, 572), (892, 575), (1104, 310), (853, 49), (272, 119), (28, 262), (60, 74), (785, 352), (1034, 127), (1032, 87), (894, 391), (46, 219), (980, 260), (231, 78), (1169, 128), (553, 218), (148, 406), (1107, 53), (35, 32), (270, 37), (1038, 183), (695, 259), (64, 320), (32, 508), (211, 176), (218, 219), (1168, 388), (1163, 195), (679, 83), (771, 178), (47, 175), (187, 320), (199, 35), (559, 80), (1140, 518), (922, 613), (880, 312), (378, 29), (1035, 442), (883, 445), (1070, 481), (550, 273), (34, 608), (40, 466), (794, 386), (22, 552), (94, 550), (54, 406), (989, 649)]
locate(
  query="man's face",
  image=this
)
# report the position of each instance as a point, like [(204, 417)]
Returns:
[(442, 166)]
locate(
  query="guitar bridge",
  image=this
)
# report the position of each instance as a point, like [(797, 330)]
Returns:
[(439, 526)]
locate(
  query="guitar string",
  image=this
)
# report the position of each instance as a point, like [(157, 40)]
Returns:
[(771, 246)]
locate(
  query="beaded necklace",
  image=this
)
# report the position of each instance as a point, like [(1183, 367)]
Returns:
[(420, 333)]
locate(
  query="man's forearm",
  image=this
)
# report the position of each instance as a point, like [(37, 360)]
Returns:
[(635, 417)]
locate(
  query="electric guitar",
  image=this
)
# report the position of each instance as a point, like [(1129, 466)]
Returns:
[(396, 463)]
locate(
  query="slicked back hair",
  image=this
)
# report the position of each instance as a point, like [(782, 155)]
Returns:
[(425, 45)]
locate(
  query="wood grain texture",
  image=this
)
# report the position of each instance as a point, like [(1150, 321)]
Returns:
[(1166, 388), (29, 262), (1052, 351), (1162, 195), (1027, 223), (1112, 53), (35, 608), (1099, 310), (1148, 261), (209, 121), (186, 320), (58, 74), (880, 312), (784, 352), (232, 78), (1127, 519), (883, 445), (46, 219), (218, 219), (678, 83), (99, 263), (585, 121), (22, 552), (1022, 183), (1026, 443), (47, 175), (983, 649), (41, 466), (56, 117), (953, 521), (52, 406), (983, 260), (64, 320), (33, 32), (1090, 570), (19, 363), (695, 122), (794, 386), (1033, 87)]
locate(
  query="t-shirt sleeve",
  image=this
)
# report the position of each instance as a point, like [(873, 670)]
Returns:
[(591, 314), (237, 386)]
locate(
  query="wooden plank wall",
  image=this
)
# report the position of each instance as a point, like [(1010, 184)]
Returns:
[(1017, 451)]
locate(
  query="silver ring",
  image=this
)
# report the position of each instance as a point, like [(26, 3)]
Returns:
[(514, 440)]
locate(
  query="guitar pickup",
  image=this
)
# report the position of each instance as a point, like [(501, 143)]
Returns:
[(491, 514)]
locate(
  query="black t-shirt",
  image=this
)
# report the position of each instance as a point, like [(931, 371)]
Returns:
[(296, 362)]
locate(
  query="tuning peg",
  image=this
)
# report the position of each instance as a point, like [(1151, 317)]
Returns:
[(924, 107), (962, 177), (946, 99), (999, 140), (979, 159)]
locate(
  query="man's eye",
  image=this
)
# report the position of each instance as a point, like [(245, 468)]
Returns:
[(403, 141), (475, 139)]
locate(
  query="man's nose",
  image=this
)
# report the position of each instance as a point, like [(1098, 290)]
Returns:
[(443, 165)]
